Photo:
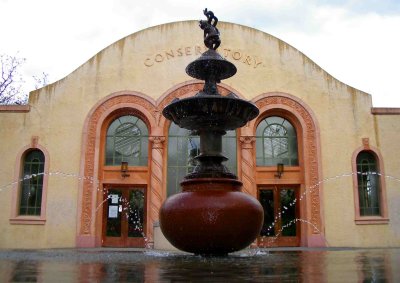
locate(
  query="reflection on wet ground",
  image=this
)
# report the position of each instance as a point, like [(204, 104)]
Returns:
[(288, 265)]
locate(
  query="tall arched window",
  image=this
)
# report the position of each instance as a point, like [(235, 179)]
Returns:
[(276, 142), (32, 185), (183, 147), (368, 179), (127, 140)]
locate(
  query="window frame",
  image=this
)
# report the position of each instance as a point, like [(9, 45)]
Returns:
[(261, 139), (368, 219), (143, 153), (181, 138), (15, 217)]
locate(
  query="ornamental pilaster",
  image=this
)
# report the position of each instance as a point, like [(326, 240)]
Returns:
[(248, 167), (156, 177)]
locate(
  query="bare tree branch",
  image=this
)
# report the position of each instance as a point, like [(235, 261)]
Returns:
[(11, 80), (41, 81)]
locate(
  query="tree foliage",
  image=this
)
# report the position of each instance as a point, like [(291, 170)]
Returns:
[(12, 83), (11, 80)]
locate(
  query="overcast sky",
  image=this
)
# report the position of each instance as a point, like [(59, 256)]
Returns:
[(356, 41)]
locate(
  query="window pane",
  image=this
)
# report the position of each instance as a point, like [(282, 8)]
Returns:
[(183, 147), (267, 202), (288, 212), (113, 224), (368, 184), (31, 187), (136, 213), (127, 140), (276, 142), (172, 181), (229, 150)]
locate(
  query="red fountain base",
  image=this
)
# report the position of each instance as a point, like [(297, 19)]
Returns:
[(211, 217)]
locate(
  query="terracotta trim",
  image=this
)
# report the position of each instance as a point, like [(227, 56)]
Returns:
[(88, 232), (156, 181), (304, 119), (273, 169), (247, 172), (384, 218), (27, 219), (15, 108), (385, 111), (372, 221)]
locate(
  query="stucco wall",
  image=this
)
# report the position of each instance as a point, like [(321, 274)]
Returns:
[(151, 62), (388, 140)]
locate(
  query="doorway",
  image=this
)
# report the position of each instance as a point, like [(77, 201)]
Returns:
[(124, 217), (281, 211)]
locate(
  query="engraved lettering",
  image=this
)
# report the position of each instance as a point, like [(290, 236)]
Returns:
[(169, 54), (226, 52), (179, 51), (247, 60), (197, 50), (256, 63), (159, 58), (148, 62), (236, 55)]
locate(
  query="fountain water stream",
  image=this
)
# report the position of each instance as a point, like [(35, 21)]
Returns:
[(271, 240)]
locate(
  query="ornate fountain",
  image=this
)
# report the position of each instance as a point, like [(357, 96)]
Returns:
[(211, 216)]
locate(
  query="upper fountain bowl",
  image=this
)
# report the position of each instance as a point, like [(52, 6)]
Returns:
[(211, 112), (211, 62)]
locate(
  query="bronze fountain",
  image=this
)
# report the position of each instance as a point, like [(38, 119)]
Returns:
[(211, 216)]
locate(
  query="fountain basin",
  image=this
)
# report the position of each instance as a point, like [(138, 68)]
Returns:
[(211, 217)]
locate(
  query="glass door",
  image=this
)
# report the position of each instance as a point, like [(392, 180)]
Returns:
[(280, 227), (124, 215)]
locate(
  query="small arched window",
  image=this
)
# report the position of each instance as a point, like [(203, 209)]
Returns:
[(32, 185), (276, 142), (127, 140), (183, 147), (368, 179)]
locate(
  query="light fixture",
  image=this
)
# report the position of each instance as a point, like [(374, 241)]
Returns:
[(279, 170), (124, 169)]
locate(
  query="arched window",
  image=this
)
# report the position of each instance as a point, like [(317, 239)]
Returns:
[(183, 147), (32, 185), (368, 179), (276, 142), (127, 140)]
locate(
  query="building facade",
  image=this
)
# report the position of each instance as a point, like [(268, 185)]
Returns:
[(89, 161)]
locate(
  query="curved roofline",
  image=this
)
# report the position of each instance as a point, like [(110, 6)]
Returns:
[(308, 59)]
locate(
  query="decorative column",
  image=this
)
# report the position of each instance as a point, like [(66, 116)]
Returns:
[(156, 177), (248, 169)]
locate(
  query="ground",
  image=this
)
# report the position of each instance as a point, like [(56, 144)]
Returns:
[(252, 265)]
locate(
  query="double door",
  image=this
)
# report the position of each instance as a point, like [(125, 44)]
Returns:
[(281, 226), (124, 217)]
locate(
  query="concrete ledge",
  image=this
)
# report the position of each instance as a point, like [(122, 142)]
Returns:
[(385, 111), (160, 242), (15, 108)]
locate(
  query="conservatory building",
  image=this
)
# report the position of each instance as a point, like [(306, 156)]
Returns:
[(90, 159)]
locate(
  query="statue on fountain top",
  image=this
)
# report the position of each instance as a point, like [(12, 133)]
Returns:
[(211, 33)]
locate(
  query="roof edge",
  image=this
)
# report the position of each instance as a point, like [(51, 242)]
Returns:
[(15, 108), (385, 111)]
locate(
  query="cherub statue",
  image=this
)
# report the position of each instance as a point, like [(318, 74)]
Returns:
[(211, 33)]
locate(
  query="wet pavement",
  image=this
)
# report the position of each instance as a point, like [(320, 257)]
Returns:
[(255, 265)]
